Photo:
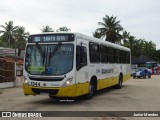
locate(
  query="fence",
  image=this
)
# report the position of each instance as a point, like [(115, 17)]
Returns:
[(9, 73)]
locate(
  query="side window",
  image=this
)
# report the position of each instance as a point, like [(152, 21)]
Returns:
[(111, 55), (124, 56), (81, 57), (94, 52), (104, 54), (117, 56), (128, 57)]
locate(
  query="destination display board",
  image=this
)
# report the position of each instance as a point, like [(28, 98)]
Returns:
[(42, 38)]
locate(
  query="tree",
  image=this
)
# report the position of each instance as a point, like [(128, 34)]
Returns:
[(140, 47), (149, 48), (47, 29), (156, 55), (110, 29), (130, 43), (63, 29), (125, 36), (2, 44), (21, 36), (8, 33), (97, 34)]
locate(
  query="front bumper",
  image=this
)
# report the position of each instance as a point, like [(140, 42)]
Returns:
[(52, 91)]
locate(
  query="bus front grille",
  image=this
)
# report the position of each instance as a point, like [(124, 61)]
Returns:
[(41, 91), (46, 79)]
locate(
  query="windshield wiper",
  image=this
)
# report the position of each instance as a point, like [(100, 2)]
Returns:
[(42, 53), (54, 51), (40, 49)]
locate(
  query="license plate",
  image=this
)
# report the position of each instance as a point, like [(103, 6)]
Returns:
[(44, 93)]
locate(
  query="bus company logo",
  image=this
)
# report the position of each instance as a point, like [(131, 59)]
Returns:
[(6, 114), (21, 114)]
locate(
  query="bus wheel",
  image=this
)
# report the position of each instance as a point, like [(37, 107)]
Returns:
[(119, 85), (91, 92)]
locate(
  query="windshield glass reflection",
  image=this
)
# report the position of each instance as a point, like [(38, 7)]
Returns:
[(55, 59)]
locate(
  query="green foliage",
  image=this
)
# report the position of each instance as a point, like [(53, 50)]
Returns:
[(63, 29), (21, 36), (12, 35), (8, 31), (110, 29), (140, 47), (97, 34), (47, 29), (156, 55)]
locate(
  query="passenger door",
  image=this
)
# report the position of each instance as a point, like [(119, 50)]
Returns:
[(81, 69)]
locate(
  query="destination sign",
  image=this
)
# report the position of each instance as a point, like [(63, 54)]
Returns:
[(51, 38)]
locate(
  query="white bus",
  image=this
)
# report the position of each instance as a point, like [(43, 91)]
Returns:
[(72, 64)]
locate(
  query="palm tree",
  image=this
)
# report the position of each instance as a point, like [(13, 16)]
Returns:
[(21, 36), (130, 43), (2, 44), (149, 48), (156, 55), (8, 32), (97, 34), (63, 29), (125, 36), (139, 47), (47, 29), (110, 29)]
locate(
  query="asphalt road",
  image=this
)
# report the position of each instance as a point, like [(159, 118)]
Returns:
[(135, 95)]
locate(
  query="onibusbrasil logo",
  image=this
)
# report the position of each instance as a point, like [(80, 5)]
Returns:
[(21, 114)]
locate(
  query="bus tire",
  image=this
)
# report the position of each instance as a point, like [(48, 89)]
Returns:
[(92, 88), (91, 91), (119, 85)]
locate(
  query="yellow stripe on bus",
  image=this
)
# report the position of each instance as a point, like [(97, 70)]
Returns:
[(77, 89)]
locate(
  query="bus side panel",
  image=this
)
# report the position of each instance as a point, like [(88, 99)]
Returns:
[(126, 77), (82, 88), (104, 83)]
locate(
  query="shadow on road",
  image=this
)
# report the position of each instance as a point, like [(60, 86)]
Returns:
[(80, 99)]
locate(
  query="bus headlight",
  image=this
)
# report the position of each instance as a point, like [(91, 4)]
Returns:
[(26, 81), (67, 82)]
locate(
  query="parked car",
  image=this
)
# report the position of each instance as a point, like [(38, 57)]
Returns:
[(142, 72), (133, 71)]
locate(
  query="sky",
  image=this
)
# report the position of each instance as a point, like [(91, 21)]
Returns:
[(139, 17)]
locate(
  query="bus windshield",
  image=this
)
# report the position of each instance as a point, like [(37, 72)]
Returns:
[(49, 59)]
